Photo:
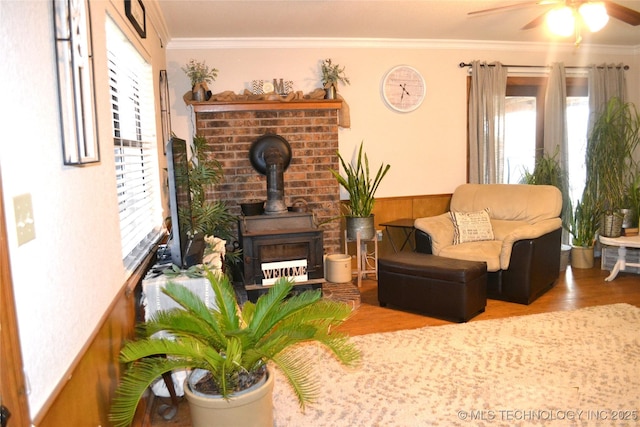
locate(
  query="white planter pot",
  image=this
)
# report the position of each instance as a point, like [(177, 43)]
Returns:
[(582, 257), (253, 407), (338, 268)]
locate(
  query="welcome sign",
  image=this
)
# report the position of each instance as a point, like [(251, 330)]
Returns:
[(294, 269)]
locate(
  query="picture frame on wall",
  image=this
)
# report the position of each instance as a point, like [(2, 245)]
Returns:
[(134, 9), (74, 61), (165, 108)]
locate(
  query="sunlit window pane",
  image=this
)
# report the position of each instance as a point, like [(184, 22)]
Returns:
[(520, 137), (577, 117)]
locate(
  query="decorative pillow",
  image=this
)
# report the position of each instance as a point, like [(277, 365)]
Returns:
[(471, 226)]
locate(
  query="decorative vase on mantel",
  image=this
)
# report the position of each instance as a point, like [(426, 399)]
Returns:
[(330, 92), (198, 92)]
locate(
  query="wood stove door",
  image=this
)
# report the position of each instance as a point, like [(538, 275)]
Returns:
[(258, 249)]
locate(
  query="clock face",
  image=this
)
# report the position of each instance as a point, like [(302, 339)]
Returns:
[(403, 88)]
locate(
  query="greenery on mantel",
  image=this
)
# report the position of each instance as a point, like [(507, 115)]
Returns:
[(199, 72), (332, 74)]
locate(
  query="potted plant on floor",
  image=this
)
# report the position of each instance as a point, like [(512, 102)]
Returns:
[(361, 188), (583, 225), (634, 201), (549, 171), (610, 162), (228, 349), (331, 75), (206, 218)]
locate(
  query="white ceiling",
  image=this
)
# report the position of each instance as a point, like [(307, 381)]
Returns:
[(386, 19)]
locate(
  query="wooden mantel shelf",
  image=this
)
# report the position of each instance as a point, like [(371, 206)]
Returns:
[(312, 104)]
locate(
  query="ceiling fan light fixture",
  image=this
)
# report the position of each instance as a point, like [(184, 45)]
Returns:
[(561, 21), (594, 15)]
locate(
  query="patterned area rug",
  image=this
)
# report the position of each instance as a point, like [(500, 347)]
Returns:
[(566, 368)]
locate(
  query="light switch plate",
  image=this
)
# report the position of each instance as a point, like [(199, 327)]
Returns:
[(25, 224)]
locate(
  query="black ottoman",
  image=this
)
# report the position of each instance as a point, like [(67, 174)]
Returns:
[(440, 287)]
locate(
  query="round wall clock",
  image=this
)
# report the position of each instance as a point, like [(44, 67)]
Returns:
[(403, 88)]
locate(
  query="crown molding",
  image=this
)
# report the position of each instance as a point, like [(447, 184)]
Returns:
[(382, 43), (156, 17)]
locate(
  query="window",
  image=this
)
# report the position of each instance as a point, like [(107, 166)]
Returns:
[(135, 147), (524, 128)]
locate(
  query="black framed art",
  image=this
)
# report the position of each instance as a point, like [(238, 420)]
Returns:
[(134, 9), (74, 57), (165, 108)]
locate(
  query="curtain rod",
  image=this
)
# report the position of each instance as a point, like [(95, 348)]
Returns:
[(463, 64)]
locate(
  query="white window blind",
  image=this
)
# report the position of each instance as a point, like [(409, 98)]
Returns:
[(135, 149)]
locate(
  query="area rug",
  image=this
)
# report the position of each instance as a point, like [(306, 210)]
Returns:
[(566, 368)]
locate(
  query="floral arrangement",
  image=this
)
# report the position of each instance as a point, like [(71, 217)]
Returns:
[(332, 74), (199, 72)]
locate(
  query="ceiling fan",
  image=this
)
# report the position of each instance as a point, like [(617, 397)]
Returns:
[(567, 17)]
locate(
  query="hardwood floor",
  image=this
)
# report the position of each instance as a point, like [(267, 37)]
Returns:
[(574, 289)]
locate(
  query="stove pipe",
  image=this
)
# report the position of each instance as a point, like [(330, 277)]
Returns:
[(275, 181)]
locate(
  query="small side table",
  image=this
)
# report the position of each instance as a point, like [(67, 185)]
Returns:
[(622, 243), (406, 225), (366, 259)]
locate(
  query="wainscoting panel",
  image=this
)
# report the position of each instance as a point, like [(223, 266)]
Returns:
[(83, 397), (391, 208)]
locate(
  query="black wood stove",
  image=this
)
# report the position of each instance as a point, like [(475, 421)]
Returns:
[(278, 242)]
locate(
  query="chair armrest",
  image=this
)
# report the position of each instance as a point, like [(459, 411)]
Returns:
[(528, 231), (440, 230), (423, 242)]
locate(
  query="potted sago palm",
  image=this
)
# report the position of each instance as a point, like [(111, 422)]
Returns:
[(231, 350)]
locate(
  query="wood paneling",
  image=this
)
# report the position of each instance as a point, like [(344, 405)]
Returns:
[(12, 385), (391, 208), (431, 205), (84, 395)]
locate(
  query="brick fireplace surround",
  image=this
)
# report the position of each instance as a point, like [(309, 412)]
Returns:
[(310, 127)]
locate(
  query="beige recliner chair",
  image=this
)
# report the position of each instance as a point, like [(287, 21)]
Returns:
[(515, 228)]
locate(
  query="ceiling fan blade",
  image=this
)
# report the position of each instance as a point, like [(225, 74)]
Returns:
[(623, 13), (513, 6), (536, 22)]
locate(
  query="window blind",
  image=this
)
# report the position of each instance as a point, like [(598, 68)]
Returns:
[(135, 147)]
